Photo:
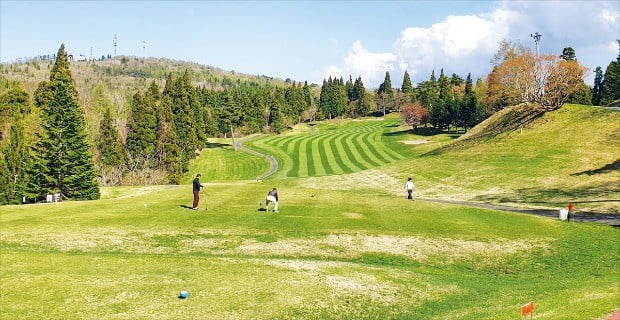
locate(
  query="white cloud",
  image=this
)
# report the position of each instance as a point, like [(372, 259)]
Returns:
[(462, 44), (360, 62), (609, 16)]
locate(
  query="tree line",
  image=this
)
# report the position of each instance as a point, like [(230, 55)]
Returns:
[(47, 150)]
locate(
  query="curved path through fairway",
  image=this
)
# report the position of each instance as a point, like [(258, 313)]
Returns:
[(610, 219), (273, 163)]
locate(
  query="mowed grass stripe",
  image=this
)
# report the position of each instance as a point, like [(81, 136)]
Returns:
[(277, 141), (366, 149), (270, 139), (294, 172), (321, 165), (333, 158), (344, 144), (353, 141), (375, 150), (340, 155), (310, 169), (320, 147), (384, 149), (302, 170)]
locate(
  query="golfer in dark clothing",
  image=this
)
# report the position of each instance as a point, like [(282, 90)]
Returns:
[(196, 188)]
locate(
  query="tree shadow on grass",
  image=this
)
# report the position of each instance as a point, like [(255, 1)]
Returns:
[(421, 131), (557, 196), (217, 145), (604, 169)]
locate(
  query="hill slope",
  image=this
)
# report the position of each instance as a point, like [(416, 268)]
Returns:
[(569, 155)]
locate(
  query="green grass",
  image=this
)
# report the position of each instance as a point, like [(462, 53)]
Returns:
[(569, 155), (338, 254), (337, 147), (346, 243), (221, 162)]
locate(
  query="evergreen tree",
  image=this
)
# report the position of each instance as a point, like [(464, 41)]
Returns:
[(568, 54), (386, 86), (341, 97), (582, 95), (63, 162), (109, 146), (307, 95), (15, 160), (276, 120), (611, 82), (598, 86), (358, 90), (456, 80), (468, 85), (349, 87), (5, 180), (142, 130), (256, 113), (168, 152), (407, 88), (324, 99), (468, 106), (445, 89)]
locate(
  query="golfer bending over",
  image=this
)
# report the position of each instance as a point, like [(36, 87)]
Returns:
[(272, 197)]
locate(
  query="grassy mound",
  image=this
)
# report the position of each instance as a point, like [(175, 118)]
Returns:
[(569, 155), (506, 120), (350, 254)]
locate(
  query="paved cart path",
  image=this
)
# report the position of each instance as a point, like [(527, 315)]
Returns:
[(610, 219), (273, 163)]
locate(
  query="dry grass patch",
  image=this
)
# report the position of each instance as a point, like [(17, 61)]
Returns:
[(423, 141), (367, 179), (353, 215), (420, 249)]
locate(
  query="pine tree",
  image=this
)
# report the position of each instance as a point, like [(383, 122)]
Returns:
[(445, 89), (469, 85), (407, 88), (109, 146), (142, 130), (598, 86), (4, 180), (276, 120), (15, 161), (568, 54), (358, 90), (63, 162), (323, 99), (184, 121), (466, 115), (611, 82), (307, 95), (386, 86), (582, 95), (168, 152), (349, 87)]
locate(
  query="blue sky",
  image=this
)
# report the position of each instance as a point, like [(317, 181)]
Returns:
[(311, 40)]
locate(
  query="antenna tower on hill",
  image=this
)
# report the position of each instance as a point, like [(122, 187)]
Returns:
[(536, 37), (115, 43)]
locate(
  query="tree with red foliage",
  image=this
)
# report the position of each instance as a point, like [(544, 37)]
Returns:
[(414, 114)]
